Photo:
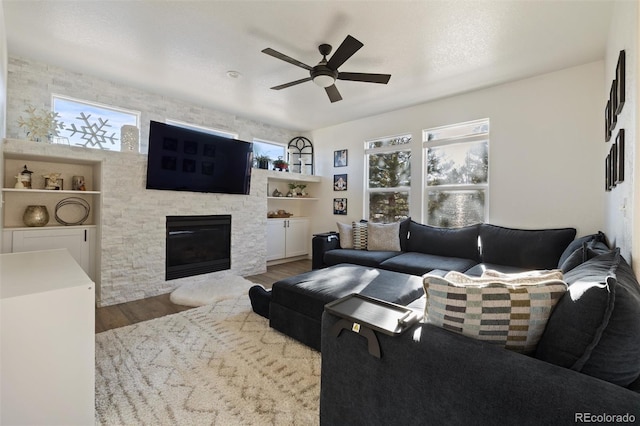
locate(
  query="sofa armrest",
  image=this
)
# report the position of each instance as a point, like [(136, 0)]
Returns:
[(321, 243), (430, 375)]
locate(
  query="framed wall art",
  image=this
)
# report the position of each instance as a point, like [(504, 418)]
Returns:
[(340, 182), (340, 158), (339, 206), (607, 122), (620, 78), (619, 156), (613, 107)]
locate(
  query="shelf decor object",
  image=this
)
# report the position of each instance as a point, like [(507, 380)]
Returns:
[(40, 125), (73, 201), (129, 138), (300, 150), (36, 216)]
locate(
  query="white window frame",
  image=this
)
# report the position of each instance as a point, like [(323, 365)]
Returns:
[(448, 141), (384, 150), (285, 156), (136, 114), (203, 129)]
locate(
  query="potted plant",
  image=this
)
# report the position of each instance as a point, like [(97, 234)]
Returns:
[(280, 164), (262, 161)]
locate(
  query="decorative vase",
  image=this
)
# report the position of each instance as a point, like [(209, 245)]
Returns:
[(36, 216), (129, 138)]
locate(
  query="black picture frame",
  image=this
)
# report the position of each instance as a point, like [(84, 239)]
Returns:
[(340, 206), (620, 78), (613, 100), (620, 156), (340, 182), (340, 158), (607, 122), (613, 154), (607, 173)]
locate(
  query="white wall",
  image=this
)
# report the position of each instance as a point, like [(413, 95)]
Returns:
[(3, 99), (546, 165), (622, 201)]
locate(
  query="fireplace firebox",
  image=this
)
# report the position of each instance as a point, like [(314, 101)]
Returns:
[(197, 245)]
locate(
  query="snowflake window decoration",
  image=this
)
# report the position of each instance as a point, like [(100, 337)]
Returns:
[(40, 125), (93, 134)]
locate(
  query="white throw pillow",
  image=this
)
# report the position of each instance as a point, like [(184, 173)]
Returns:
[(345, 231)]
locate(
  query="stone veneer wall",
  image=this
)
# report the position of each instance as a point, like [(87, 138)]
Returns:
[(132, 224)]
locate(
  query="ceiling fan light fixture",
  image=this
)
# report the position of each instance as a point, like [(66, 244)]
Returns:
[(324, 80)]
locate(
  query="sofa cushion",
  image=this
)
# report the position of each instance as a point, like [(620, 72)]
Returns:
[(359, 235), (588, 250), (480, 268), (449, 242), (358, 257), (525, 248), (345, 232), (421, 263), (307, 293), (383, 236), (595, 328), (578, 243), (510, 312)]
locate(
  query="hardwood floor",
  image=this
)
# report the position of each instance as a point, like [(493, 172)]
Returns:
[(123, 314)]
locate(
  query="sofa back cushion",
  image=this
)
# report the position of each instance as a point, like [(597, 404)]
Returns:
[(595, 328), (508, 311), (525, 248), (451, 242)]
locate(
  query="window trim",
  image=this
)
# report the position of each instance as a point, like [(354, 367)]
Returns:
[(210, 130), (137, 114), (384, 150), (443, 142)]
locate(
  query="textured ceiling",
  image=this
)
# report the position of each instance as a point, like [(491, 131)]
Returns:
[(184, 49)]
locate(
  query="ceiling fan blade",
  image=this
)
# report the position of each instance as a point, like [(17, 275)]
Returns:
[(348, 47), (269, 51), (293, 83), (334, 95), (367, 78)]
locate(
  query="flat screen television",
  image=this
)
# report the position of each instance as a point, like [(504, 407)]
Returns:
[(187, 160)]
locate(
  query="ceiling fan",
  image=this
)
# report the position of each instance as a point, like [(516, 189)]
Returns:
[(325, 73)]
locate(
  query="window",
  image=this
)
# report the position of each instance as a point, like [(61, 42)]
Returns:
[(202, 129), (273, 150), (388, 178), (457, 173), (92, 125)]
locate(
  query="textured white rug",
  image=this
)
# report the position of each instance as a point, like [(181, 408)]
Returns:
[(219, 364), (205, 293)]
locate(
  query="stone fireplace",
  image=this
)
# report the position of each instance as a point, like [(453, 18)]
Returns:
[(197, 245)]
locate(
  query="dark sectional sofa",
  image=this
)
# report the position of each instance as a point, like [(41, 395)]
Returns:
[(470, 249), (586, 368)]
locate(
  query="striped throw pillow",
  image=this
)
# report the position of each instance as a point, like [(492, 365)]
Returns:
[(512, 313), (359, 235)]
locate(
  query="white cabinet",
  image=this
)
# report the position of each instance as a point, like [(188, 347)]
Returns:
[(287, 238), (79, 241), (47, 340)]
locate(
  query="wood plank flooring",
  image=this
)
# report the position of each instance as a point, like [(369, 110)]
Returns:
[(123, 314)]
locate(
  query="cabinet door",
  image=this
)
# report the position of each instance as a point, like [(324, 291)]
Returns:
[(297, 243), (276, 238), (74, 240)]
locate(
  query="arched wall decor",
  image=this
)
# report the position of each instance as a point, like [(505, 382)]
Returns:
[(300, 155)]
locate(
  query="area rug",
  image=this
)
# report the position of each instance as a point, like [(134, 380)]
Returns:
[(220, 364), (204, 293)]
